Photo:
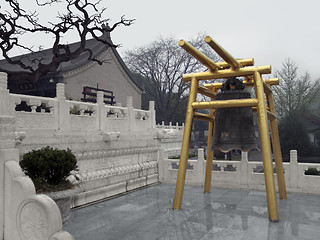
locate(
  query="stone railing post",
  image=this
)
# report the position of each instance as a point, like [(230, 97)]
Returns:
[(6, 107), (161, 165), (7, 142), (131, 117), (293, 169), (101, 114), (200, 167), (244, 171), (23, 214), (152, 115), (63, 111)]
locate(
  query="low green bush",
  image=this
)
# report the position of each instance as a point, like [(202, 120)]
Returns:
[(48, 168)]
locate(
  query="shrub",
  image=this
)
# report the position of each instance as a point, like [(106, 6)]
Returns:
[(49, 167)]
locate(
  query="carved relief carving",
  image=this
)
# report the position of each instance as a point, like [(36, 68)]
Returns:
[(32, 221)]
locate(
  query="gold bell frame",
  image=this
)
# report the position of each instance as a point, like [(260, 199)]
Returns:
[(263, 104)]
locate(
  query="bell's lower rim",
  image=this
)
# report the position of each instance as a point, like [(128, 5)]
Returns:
[(226, 150)]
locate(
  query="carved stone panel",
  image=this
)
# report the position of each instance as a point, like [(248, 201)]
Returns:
[(32, 221)]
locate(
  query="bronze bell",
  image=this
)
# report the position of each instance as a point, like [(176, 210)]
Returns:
[(234, 128)]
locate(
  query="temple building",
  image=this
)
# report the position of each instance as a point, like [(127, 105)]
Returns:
[(113, 75)]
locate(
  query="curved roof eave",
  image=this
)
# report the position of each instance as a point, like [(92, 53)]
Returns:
[(125, 68)]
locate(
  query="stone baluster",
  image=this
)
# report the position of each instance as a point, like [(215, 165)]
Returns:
[(161, 165), (60, 91), (6, 140), (102, 114), (6, 107), (245, 173), (293, 174), (131, 117), (152, 115), (200, 167), (63, 111), (34, 104)]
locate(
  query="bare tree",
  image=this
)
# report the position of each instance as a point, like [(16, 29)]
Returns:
[(162, 63), (294, 94), (83, 17)]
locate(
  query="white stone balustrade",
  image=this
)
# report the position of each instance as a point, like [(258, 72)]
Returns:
[(23, 214), (61, 114), (242, 175), (170, 126)]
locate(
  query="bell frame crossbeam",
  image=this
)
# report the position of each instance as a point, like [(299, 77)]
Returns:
[(263, 104)]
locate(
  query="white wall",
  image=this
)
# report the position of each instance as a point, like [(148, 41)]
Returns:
[(110, 75)]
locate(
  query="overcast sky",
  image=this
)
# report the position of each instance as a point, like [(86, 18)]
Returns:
[(268, 31)]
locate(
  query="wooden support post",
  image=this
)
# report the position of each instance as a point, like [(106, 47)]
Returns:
[(185, 146), (277, 149), (266, 149), (209, 160)]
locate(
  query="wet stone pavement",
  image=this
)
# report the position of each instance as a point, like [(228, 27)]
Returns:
[(225, 214)]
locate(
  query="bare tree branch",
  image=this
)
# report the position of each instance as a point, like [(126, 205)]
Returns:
[(162, 64), (80, 16)]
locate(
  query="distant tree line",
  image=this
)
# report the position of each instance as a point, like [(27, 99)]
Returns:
[(159, 67), (296, 99)]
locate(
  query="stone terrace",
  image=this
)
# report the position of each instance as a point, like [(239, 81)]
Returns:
[(225, 214)]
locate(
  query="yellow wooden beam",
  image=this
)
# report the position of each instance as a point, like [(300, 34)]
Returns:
[(277, 150), (203, 117), (198, 55), (271, 116), (248, 83), (227, 73), (234, 63), (206, 92), (266, 149), (209, 159), (250, 102), (270, 81), (184, 156), (244, 62)]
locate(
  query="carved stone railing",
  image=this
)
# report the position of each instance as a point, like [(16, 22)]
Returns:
[(60, 114), (241, 174), (170, 126), (104, 173), (23, 214), (40, 112), (170, 137)]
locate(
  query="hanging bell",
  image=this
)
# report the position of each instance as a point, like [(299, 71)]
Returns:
[(234, 128)]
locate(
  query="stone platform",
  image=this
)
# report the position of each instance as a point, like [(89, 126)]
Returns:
[(147, 214)]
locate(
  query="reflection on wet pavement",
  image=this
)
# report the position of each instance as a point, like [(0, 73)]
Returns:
[(223, 214)]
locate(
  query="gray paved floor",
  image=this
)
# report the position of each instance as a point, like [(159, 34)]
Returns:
[(224, 214)]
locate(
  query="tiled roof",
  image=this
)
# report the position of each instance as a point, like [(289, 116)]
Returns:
[(96, 47)]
